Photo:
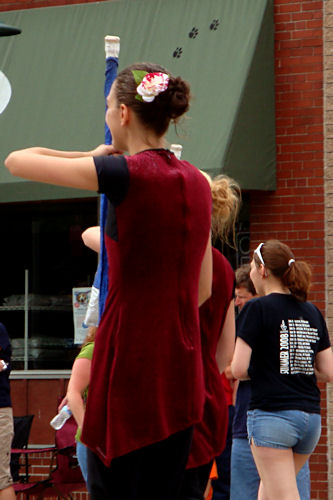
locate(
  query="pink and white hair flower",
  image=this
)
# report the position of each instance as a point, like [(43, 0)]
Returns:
[(152, 85)]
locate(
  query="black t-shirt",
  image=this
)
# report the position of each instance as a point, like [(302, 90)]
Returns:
[(239, 429), (243, 398), (285, 336), (5, 354)]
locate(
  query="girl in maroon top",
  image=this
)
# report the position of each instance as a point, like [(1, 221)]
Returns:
[(217, 323), (147, 388)]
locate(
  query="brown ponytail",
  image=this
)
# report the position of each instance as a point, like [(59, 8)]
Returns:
[(294, 274), (298, 279)]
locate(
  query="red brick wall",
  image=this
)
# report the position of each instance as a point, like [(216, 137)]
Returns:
[(40, 398), (294, 213)]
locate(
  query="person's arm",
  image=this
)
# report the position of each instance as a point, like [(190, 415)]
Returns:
[(241, 360), (226, 342), (324, 365), (92, 238), (62, 168), (78, 382), (206, 274)]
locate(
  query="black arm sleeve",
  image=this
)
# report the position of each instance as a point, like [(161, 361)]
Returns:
[(113, 177), (324, 341), (249, 321), (4, 338)]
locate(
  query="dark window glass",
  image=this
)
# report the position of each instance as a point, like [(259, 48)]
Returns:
[(45, 239)]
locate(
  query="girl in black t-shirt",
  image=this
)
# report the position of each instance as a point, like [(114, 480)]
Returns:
[(283, 347)]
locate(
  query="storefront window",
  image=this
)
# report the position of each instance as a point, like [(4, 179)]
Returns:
[(42, 258)]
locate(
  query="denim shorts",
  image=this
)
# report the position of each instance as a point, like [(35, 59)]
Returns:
[(286, 429)]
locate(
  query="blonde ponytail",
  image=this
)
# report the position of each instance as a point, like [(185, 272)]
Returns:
[(226, 196)]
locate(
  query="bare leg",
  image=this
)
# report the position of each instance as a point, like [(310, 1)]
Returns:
[(277, 469), (299, 461), (261, 492), (7, 494), (209, 485)]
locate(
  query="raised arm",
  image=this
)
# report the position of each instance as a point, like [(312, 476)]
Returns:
[(226, 343), (78, 382), (92, 238), (206, 274), (62, 168)]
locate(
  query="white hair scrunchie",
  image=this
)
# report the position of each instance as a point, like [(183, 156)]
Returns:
[(290, 261)]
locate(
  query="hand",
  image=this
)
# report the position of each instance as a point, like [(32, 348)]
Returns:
[(3, 365), (228, 374), (104, 150), (63, 403)]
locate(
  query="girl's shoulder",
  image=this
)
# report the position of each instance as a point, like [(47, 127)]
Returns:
[(86, 351), (313, 311)]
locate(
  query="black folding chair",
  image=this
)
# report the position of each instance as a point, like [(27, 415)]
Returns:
[(22, 427)]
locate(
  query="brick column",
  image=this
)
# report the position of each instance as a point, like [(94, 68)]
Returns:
[(328, 181)]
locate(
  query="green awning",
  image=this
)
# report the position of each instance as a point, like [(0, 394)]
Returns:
[(223, 48)]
